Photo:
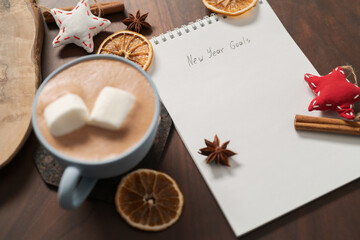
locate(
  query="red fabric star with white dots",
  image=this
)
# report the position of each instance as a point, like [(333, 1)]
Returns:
[(334, 92)]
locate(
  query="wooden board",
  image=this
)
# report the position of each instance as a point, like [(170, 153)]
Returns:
[(21, 33)]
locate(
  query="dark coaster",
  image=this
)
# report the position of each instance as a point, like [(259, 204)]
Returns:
[(51, 171)]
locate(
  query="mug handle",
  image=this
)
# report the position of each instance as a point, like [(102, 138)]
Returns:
[(73, 192)]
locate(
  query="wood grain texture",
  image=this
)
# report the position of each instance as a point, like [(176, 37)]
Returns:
[(20, 49), (328, 33)]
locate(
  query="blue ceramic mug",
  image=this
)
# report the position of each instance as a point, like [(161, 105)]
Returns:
[(80, 177)]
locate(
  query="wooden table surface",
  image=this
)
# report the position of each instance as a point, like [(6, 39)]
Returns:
[(327, 31)]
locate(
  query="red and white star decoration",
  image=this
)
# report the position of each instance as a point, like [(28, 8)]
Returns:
[(78, 26), (334, 92)]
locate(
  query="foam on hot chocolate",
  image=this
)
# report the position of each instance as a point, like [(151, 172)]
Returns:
[(87, 79)]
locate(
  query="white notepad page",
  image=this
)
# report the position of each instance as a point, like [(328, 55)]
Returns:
[(249, 92)]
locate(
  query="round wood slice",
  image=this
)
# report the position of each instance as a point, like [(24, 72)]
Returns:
[(21, 33)]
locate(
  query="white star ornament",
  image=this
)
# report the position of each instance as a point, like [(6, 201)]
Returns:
[(78, 26)]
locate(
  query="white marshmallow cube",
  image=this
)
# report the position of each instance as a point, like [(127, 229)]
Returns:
[(66, 114), (111, 108)]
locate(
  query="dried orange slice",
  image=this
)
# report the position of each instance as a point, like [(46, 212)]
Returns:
[(130, 45), (149, 200), (229, 7)]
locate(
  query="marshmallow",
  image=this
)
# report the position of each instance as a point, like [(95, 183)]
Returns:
[(66, 114), (111, 108)]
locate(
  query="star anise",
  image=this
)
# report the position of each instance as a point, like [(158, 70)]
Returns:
[(136, 23), (217, 153)]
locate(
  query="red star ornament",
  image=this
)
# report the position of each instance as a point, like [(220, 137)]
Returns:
[(334, 92)]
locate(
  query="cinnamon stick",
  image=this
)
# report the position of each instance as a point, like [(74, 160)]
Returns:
[(320, 124), (106, 8)]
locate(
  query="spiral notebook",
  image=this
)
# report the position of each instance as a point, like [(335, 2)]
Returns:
[(242, 79)]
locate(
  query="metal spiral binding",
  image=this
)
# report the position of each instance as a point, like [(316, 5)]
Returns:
[(163, 38), (178, 31), (191, 26), (207, 18), (171, 35), (155, 40), (215, 16), (185, 27), (200, 22)]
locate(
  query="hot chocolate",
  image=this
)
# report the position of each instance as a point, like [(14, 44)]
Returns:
[(86, 79)]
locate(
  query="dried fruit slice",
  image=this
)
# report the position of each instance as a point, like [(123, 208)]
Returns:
[(149, 200), (229, 7), (130, 45)]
